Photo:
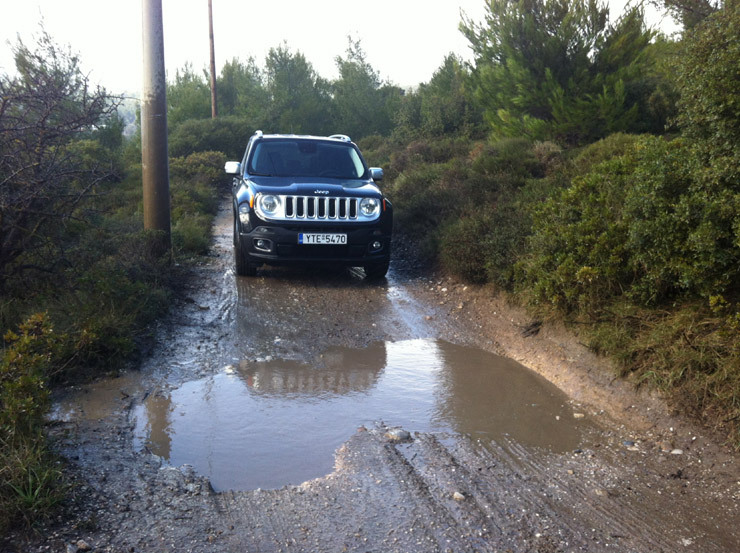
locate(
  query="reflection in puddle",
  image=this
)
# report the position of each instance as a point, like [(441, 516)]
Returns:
[(270, 424)]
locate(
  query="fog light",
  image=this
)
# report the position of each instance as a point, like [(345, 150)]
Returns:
[(262, 244), (376, 245)]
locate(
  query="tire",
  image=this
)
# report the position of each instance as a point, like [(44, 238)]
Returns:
[(376, 271), (242, 266)]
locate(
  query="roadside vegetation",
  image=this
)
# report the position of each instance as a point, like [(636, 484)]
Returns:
[(582, 164), (79, 283)]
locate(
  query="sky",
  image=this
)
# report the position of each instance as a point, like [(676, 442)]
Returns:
[(405, 41)]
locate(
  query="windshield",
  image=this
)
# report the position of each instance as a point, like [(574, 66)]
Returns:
[(304, 158)]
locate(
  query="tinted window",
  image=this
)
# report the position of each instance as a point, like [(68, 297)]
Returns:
[(302, 158)]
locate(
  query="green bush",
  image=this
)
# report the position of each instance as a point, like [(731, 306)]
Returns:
[(511, 158), (709, 84), (30, 480), (469, 203), (435, 151), (576, 258), (642, 244), (206, 167), (421, 201), (463, 246), (116, 299), (191, 234), (197, 183), (377, 151), (484, 245), (26, 361), (650, 223), (224, 134), (661, 212)]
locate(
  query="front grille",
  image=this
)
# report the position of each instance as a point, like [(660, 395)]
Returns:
[(312, 208)]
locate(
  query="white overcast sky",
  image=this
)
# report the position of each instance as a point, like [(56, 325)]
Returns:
[(404, 40)]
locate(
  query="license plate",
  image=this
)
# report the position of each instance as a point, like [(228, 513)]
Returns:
[(322, 238)]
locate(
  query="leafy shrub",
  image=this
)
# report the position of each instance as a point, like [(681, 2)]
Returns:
[(224, 134), (377, 151), (30, 483), (48, 165), (709, 104), (116, 299), (436, 151), (577, 250), (420, 200), (548, 156), (661, 218), (197, 180), (651, 223), (191, 234), (462, 246), (612, 146), (205, 167), (576, 255), (25, 368), (512, 158), (468, 203), (643, 244), (512, 226)]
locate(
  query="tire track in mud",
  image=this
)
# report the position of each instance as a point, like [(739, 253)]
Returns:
[(426, 496), (602, 491)]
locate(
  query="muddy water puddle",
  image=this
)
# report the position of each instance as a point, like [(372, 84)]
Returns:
[(268, 424)]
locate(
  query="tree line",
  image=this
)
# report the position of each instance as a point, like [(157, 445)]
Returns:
[(560, 70)]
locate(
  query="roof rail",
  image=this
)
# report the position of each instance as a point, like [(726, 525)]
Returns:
[(343, 137)]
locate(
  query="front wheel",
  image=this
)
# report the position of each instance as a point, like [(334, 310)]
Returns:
[(376, 271), (242, 266)]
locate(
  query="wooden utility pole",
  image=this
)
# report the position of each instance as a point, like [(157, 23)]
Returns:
[(155, 172), (214, 108)]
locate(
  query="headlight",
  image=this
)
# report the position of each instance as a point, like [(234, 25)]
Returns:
[(269, 204), (369, 206)]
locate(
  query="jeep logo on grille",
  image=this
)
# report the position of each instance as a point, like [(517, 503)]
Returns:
[(320, 191)]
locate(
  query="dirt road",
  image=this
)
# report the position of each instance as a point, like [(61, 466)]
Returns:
[(433, 453)]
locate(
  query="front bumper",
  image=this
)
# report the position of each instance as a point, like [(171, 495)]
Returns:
[(276, 245)]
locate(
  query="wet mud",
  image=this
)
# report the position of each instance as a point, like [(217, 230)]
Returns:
[(313, 411)]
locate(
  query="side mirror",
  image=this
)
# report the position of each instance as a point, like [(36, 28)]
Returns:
[(376, 173), (233, 167)]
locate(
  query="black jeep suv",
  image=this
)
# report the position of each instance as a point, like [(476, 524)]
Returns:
[(308, 200)]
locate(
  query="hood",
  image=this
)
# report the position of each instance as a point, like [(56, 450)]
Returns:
[(314, 186)]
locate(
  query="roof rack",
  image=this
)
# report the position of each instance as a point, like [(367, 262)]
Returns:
[(343, 137)]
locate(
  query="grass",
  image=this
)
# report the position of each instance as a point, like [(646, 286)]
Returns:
[(688, 353), (33, 483)]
